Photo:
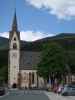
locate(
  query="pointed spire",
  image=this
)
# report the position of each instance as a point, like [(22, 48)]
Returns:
[(14, 24)]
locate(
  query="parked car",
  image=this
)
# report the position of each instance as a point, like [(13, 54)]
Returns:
[(68, 90), (2, 91)]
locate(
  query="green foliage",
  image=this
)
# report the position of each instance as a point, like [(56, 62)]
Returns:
[(3, 73), (71, 60), (3, 58), (3, 65), (52, 60)]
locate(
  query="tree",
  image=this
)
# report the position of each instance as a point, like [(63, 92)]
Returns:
[(4, 65), (70, 55), (71, 61), (3, 74), (52, 60)]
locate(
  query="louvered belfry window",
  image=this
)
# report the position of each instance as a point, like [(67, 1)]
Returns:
[(14, 46)]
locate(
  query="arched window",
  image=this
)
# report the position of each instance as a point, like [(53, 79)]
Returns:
[(14, 46), (14, 38), (32, 78)]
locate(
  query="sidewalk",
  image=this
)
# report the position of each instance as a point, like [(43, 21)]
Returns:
[(54, 96)]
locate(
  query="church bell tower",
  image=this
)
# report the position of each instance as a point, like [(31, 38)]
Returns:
[(14, 53)]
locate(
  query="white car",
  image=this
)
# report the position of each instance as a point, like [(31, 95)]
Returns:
[(68, 90)]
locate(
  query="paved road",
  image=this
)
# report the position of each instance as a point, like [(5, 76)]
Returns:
[(53, 96), (25, 95)]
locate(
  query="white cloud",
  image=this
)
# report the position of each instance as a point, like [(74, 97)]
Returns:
[(63, 9), (4, 34), (32, 36), (29, 35)]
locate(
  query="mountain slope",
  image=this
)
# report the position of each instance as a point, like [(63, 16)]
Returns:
[(67, 41), (3, 43)]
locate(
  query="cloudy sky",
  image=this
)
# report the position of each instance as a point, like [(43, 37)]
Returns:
[(38, 18)]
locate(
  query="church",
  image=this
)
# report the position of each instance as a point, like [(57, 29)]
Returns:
[(21, 62)]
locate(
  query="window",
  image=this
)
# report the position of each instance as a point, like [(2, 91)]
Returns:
[(14, 38), (14, 46), (32, 78)]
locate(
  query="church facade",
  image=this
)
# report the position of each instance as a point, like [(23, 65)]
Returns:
[(21, 71)]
